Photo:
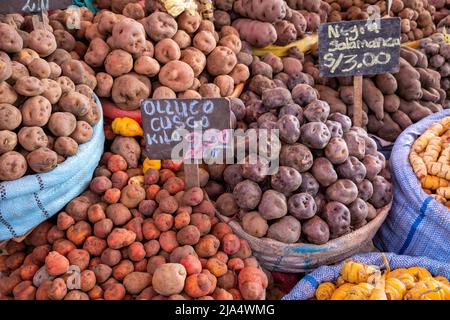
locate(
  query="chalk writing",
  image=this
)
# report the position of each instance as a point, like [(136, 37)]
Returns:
[(358, 47), (32, 6)]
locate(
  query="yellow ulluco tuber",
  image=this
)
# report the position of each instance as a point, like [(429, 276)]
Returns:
[(433, 182), (402, 275), (361, 291), (439, 169), (432, 150), (325, 290), (395, 289), (443, 192), (355, 272), (419, 273), (341, 292), (418, 165), (427, 289)]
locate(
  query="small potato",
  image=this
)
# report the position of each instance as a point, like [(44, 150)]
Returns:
[(344, 191), (297, 156), (55, 70), (146, 66), (365, 190), (39, 68), (66, 84), (273, 205), (42, 160), (356, 144), (120, 238), (303, 94), (129, 35), (317, 110), (32, 138), (240, 73), (167, 50), (207, 246), (128, 92), (75, 103), (97, 52), (160, 25), (382, 192), (29, 86), (338, 218), (373, 165), (358, 212), (315, 135), (316, 231), (56, 264), (221, 60), (336, 150), (287, 180), (182, 39), (83, 132), (131, 195), (118, 63), (104, 84), (225, 84), (42, 41), (52, 91), (7, 93), (18, 71), (189, 21), (302, 206), (254, 224), (62, 124), (8, 141), (247, 194), (352, 169), (204, 41), (169, 279), (10, 117), (289, 128), (286, 230)]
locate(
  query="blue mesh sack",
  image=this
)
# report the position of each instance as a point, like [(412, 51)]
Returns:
[(417, 224), (26, 202)]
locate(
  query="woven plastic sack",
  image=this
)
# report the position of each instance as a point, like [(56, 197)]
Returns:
[(306, 288), (26, 202), (417, 224)]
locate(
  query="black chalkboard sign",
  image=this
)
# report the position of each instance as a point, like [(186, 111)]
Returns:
[(359, 47), (32, 6), (205, 123)]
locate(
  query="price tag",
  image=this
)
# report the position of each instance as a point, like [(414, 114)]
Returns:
[(352, 48), (185, 129), (32, 6)]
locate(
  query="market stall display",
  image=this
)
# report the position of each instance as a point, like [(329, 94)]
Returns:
[(135, 225)]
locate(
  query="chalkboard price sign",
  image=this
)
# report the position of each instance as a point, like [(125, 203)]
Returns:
[(202, 123), (359, 47), (32, 6)]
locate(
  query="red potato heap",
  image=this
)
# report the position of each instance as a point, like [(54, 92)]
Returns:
[(416, 15), (391, 102), (330, 178), (47, 104), (140, 53), (133, 236)]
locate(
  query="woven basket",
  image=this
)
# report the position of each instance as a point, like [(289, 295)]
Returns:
[(300, 257)]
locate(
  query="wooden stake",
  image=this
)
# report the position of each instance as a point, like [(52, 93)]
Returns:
[(191, 175), (357, 101)]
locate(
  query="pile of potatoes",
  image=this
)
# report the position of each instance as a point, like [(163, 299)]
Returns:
[(438, 53), (47, 104), (416, 15), (132, 236), (266, 22), (328, 182), (391, 102), (139, 54)]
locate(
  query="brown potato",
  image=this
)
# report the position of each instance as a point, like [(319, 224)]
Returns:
[(66, 146), (146, 66), (29, 86), (52, 91), (221, 60), (204, 41), (18, 71), (42, 160), (247, 194), (97, 52), (273, 205), (344, 191), (12, 166), (66, 84), (104, 84), (62, 124), (83, 132), (189, 21), (8, 141), (316, 231), (11, 40), (254, 224), (167, 50), (177, 75), (337, 217), (118, 62), (160, 25), (128, 92), (195, 59), (129, 35), (10, 117), (286, 230), (42, 41), (182, 39), (36, 111), (32, 138)]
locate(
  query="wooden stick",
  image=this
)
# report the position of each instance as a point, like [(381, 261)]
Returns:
[(357, 102), (191, 175)]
